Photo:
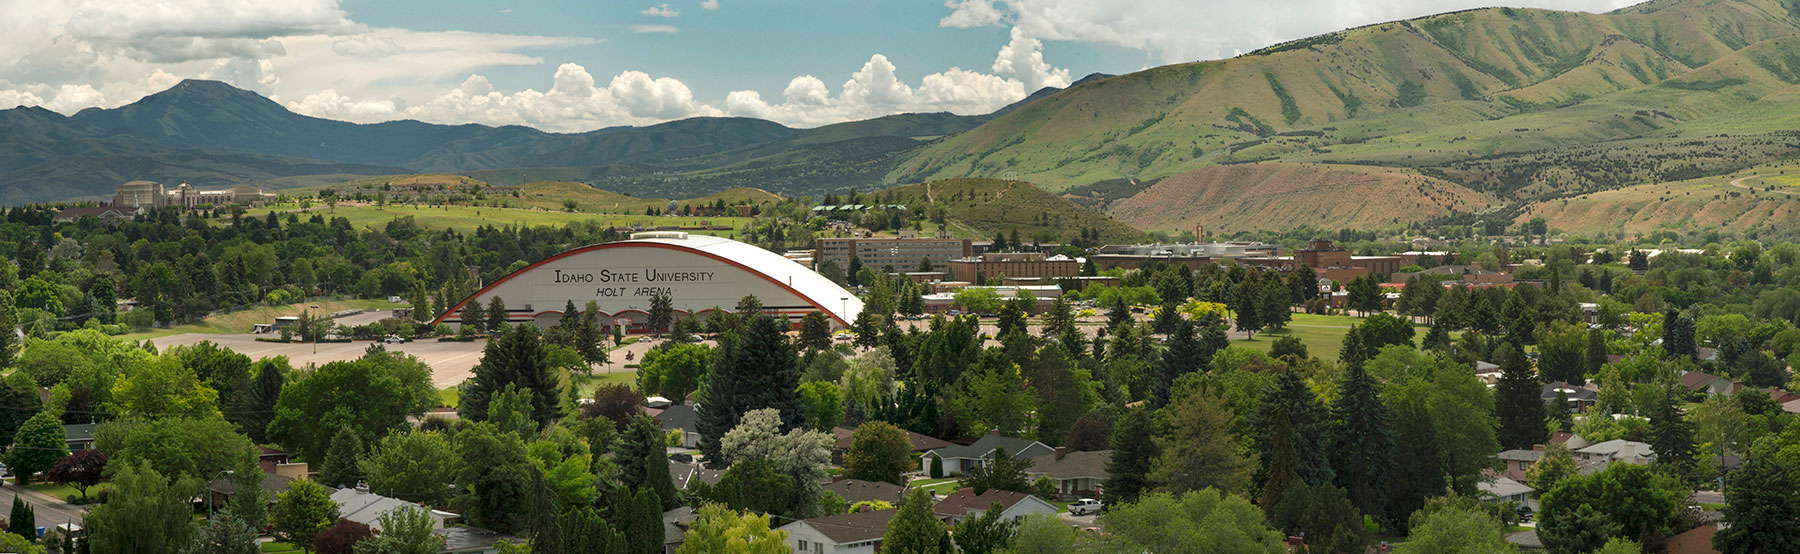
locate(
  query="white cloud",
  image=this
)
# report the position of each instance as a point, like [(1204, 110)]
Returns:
[(1023, 59), (646, 29), (661, 10), (1186, 30), (875, 90), (367, 46), (710, 5)]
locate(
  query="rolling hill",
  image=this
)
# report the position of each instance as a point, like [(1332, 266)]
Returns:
[(1276, 196), (989, 206)]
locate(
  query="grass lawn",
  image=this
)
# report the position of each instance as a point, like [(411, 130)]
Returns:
[(940, 486), (466, 218), (448, 397), (242, 321), (1323, 335), (587, 383), (278, 546), (65, 491)]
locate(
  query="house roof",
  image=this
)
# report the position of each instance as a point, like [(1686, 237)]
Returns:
[(1698, 540), (679, 416), (1072, 465), (80, 432), (849, 528), (365, 507), (1522, 455), (1504, 487), (686, 474), (965, 502), (1696, 380), (920, 443), (676, 523), (1620, 448), (985, 445), (1578, 394), (858, 490)]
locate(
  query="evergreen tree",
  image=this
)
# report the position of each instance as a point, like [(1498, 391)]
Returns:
[(496, 314), (1303, 284), (756, 370), (260, 400), (1353, 353), (341, 468), (473, 318), (1517, 400), (1244, 308), (661, 313), (1678, 334), (1118, 313), (1167, 316), (1275, 306), (642, 462), (1516, 317), (516, 357), (1292, 431), (1437, 339), (23, 520), (1762, 506), (9, 325), (815, 331), (915, 529), (1059, 320), (1181, 357), (1199, 450), (1134, 454), (1671, 435), (1594, 356), (1362, 442)]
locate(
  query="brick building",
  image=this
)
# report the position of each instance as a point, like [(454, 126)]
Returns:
[(1013, 265), (898, 253)]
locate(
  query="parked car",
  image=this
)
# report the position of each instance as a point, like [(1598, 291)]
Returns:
[(1084, 506)]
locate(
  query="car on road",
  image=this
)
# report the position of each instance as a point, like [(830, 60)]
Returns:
[(1084, 506), (394, 339)]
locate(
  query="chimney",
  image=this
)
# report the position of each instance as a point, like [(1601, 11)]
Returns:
[(362, 487), (1061, 451), (994, 431), (1537, 448)]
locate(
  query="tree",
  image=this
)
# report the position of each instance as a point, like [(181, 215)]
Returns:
[(985, 534), (615, 402), (81, 470), (225, 535), (340, 468), (1678, 334), (1184, 355), (915, 529), (372, 395), (1556, 465), (495, 477), (1594, 354), (1456, 530), (1244, 309), (642, 462), (145, 512), (40, 443), (674, 370), (1362, 442), (585, 532), (1721, 421), (815, 331), (1275, 306), (1671, 435), (1134, 455), (1199, 450), (1045, 534), (20, 393), (1517, 400), (9, 324), (1353, 352), (662, 312), (1762, 506), (472, 317), (758, 370), (12, 542), (1322, 513), (1561, 354), (341, 537), (823, 404), (175, 446), (1194, 522), (163, 387), (259, 399), (1291, 432), (517, 357), (496, 315), (22, 520), (303, 512), (1001, 472), (1624, 500), (879, 451), (718, 529)]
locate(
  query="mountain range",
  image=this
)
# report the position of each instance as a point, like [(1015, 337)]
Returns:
[(1479, 113)]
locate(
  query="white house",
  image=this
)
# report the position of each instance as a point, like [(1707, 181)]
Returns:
[(1014, 506), (858, 533), (1617, 450), (959, 458), (361, 506)]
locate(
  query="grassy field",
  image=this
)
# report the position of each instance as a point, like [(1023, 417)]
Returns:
[(65, 491), (1323, 335), (466, 219), (1762, 199), (242, 321)]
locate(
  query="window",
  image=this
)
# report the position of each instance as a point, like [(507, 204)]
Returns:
[(802, 546)]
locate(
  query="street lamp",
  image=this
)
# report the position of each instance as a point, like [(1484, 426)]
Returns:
[(209, 495)]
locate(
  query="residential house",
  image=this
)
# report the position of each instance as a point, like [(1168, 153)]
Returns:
[(361, 506), (1518, 461), (1509, 490), (675, 527), (964, 504), (682, 417), (1617, 450), (1697, 381), (222, 489), (1579, 398), (1074, 474), (79, 436), (920, 443), (856, 533), (686, 474), (858, 490), (1698, 540), (1488, 373), (960, 458)]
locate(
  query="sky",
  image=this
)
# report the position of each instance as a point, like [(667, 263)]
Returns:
[(578, 65)]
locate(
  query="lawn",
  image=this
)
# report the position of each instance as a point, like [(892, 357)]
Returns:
[(65, 491), (466, 218), (243, 320), (1323, 335), (278, 546), (587, 383), (940, 486)]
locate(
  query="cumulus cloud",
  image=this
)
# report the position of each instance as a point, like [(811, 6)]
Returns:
[(661, 10), (646, 29), (1186, 30), (575, 101), (876, 90), (1023, 59), (710, 5)]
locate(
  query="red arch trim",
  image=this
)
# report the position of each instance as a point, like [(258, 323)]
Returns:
[(630, 244)]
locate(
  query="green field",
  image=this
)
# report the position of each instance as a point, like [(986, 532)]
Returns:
[(243, 320), (465, 218), (1323, 335)]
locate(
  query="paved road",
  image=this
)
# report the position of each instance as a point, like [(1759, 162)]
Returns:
[(1709, 497), (50, 511)]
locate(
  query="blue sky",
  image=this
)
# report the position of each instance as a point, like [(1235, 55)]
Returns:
[(575, 65)]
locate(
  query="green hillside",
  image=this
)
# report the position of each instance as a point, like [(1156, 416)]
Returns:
[(985, 207), (1514, 104)]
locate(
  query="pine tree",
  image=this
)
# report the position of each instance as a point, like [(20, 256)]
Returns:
[(340, 468), (1518, 400), (1671, 436), (1289, 416), (9, 325), (915, 529), (496, 315), (516, 357), (1594, 357), (1762, 506), (1118, 313), (23, 520), (642, 461), (815, 331), (1303, 284), (1678, 334), (1059, 319), (1134, 454), (758, 370), (1362, 442), (473, 318), (1353, 353), (1516, 316), (260, 399), (1181, 357), (1275, 306), (661, 313), (1437, 339), (1243, 306)]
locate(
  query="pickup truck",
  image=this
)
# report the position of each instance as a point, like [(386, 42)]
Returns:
[(1084, 506)]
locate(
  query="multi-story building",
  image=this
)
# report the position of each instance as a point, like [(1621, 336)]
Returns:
[(889, 253), (1133, 256), (147, 194), (1013, 265)]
